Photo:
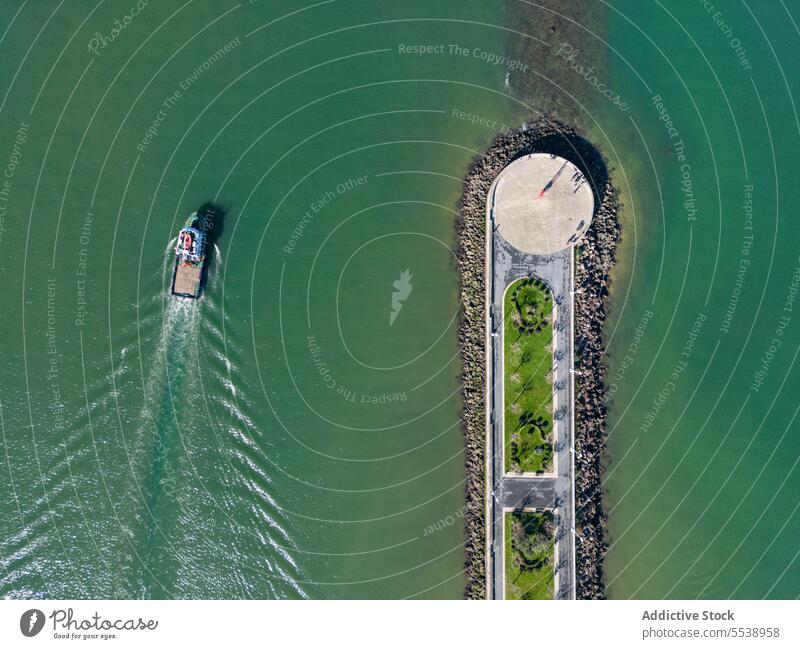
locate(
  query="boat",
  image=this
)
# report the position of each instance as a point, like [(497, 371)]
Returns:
[(190, 258)]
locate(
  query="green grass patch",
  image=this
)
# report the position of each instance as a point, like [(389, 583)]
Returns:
[(527, 365), (530, 554)]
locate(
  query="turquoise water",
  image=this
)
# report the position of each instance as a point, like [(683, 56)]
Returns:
[(703, 449)]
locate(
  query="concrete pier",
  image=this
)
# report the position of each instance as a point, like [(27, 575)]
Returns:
[(542, 204), (538, 208)]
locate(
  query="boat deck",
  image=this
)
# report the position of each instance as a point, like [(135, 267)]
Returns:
[(187, 280)]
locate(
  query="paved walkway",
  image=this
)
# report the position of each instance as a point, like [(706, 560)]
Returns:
[(523, 492)]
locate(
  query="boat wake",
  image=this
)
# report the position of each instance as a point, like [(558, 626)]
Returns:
[(173, 360), (189, 455)]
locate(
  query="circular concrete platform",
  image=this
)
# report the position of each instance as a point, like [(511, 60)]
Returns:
[(541, 204)]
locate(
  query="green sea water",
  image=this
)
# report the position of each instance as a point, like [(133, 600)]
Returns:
[(702, 476), (279, 437)]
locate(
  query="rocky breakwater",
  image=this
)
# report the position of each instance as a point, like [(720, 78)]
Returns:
[(593, 265), (594, 260)]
